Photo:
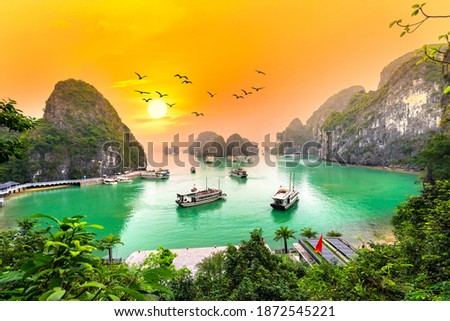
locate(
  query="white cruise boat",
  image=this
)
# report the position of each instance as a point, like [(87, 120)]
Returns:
[(109, 181), (238, 172), (200, 197), (284, 198), (156, 175)]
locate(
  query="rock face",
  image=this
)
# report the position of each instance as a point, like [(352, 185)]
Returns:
[(383, 127), (80, 135), (387, 126), (296, 134)]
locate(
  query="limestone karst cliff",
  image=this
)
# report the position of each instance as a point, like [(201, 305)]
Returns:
[(80, 135)]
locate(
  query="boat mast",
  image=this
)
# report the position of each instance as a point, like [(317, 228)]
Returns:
[(206, 182)]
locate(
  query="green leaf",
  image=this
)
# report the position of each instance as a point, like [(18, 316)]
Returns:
[(97, 226), (55, 243), (93, 284), (415, 6), (11, 276), (135, 294), (447, 90), (392, 23), (113, 297), (414, 13), (56, 296), (403, 33), (46, 216)]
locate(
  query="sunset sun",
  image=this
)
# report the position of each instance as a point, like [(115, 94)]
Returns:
[(157, 108)]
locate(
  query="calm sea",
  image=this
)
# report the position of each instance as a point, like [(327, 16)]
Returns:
[(357, 202)]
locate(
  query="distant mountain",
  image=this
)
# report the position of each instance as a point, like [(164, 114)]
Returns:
[(80, 135), (210, 143)]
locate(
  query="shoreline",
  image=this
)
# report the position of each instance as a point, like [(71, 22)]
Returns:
[(389, 169)]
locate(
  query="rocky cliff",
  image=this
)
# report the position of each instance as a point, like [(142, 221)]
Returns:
[(387, 126), (80, 135), (296, 134)]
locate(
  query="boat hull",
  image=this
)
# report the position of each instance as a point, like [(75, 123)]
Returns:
[(283, 207), (206, 201), (239, 175)]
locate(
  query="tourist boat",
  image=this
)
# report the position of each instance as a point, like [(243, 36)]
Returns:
[(109, 181), (238, 172), (209, 159), (192, 170), (155, 175), (123, 179), (284, 198), (196, 197)]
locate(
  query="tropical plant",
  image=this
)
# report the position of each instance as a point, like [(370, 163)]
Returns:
[(334, 233), (15, 121), (62, 266), (107, 243), (308, 233), (284, 233)]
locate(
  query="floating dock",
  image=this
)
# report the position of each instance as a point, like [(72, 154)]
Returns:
[(334, 251)]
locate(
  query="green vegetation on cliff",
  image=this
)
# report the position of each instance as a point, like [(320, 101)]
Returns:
[(80, 135)]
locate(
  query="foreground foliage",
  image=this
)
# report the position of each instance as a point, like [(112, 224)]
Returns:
[(57, 263)]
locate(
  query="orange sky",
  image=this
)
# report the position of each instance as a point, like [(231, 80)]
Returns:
[(309, 51)]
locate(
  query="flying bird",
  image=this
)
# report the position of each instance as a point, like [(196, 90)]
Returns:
[(186, 82), (237, 96), (146, 99), (143, 92), (246, 92), (161, 95), (197, 114), (180, 76), (211, 94), (139, 76), (260, 72), (257, 88), (170, 105)]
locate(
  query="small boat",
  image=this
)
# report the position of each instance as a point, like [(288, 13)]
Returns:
[(192, 170), (239, 172), (196, 197), (109, 181), (284, 198), (155, 175), (123, 179), (209, 159)]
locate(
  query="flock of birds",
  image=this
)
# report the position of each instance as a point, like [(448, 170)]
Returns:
[(185, 80)]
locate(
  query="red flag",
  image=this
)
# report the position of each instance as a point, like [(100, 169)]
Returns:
[(319, 246)]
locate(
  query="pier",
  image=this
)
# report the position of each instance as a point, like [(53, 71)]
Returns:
[(334, 251)]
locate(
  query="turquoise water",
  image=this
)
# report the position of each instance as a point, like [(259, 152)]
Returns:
[(358, 202)]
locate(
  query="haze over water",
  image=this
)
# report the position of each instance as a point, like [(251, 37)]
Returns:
[(357, 202)]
